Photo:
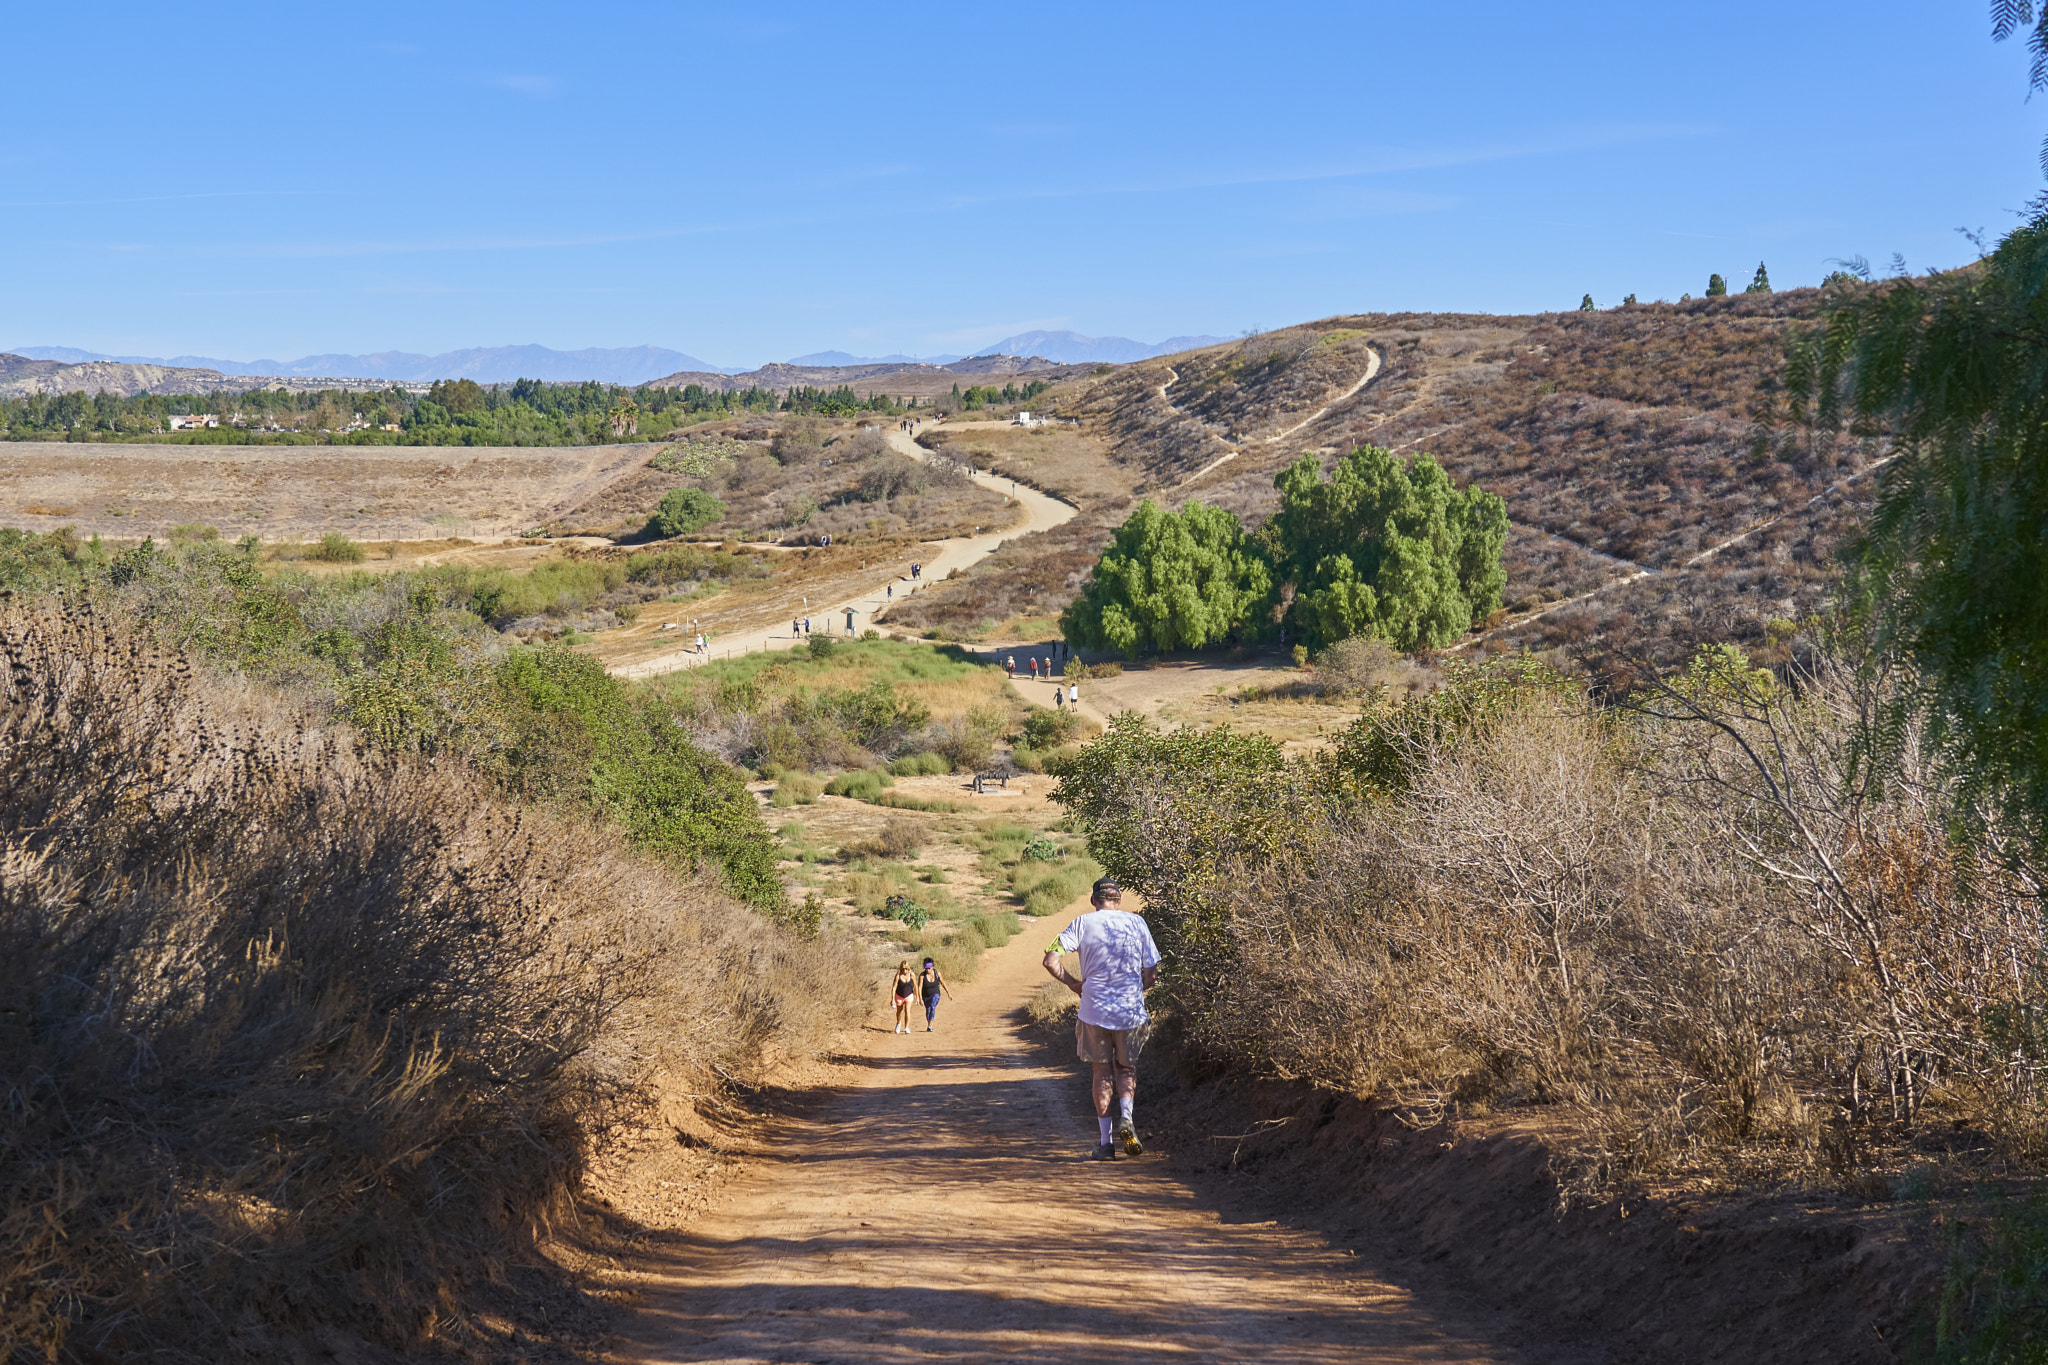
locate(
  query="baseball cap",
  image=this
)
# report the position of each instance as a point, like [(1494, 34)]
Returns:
[(1106, 887)]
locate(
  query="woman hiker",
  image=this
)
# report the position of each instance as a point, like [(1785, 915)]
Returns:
[(905, 988), (931, 981)]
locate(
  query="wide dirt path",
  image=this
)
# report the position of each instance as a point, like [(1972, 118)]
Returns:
[(938, 1206), (770, 628)]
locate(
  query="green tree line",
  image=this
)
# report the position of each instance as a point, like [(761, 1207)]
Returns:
[(455, 412)]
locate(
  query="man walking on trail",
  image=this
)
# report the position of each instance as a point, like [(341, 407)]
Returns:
[(1119, 963)]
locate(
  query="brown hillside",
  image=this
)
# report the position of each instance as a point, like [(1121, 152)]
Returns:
[(1621, 440)]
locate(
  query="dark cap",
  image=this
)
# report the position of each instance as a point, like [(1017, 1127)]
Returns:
[(1106, 888)]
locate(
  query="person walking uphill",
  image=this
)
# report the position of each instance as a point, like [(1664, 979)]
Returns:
[(930, 982), (1119, 963)]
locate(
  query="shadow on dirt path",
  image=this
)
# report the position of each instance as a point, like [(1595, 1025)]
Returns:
[(937, 1203)]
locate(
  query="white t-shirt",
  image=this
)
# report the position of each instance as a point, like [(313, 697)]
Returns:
[(1115, 947)]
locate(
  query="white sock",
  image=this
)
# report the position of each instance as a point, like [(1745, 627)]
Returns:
[(1123, 1107), (1105, 1128)]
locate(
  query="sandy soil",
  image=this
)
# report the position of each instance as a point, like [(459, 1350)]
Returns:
[(277, 492), (937, 1203)]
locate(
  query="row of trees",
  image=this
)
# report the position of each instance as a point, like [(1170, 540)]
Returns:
[(1378, 548), (453, 412), (1760, 283)]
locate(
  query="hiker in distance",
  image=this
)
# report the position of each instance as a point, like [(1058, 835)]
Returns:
[(1119, 963)]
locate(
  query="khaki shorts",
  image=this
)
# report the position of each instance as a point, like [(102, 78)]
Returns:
[(1117, 1046)]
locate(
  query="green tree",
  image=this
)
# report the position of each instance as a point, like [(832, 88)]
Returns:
[(682, 511), (1384, 549), (1760, 283), (1716, 286), (1586, 304), (1952, 570), (458, 395), (1169, 580)]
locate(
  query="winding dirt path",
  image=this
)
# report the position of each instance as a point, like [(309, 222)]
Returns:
[(1372, 370), (770, 630), (938, 1205)]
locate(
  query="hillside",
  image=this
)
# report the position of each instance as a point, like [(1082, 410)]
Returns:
[(20, 376), (915, 380), (1621, 441)]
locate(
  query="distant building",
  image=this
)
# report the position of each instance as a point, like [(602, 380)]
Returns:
[(193, 422)]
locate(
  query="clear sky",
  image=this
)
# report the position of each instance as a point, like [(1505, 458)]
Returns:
[(747, 183)]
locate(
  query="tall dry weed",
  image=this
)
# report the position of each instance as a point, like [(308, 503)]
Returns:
[(302, 1039)]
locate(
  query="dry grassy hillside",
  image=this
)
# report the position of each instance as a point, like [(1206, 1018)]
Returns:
[(1621, 440)]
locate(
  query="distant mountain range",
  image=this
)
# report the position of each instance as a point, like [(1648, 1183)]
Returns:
[(1071, 348), (838, 358), (624, 365), (484, 364)]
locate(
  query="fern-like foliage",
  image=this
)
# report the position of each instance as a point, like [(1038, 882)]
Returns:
[(1952, 572)]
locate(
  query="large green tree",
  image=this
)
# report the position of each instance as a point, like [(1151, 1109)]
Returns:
[(1170, 580), (1385, 549)]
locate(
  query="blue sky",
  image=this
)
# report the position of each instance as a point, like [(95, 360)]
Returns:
[(750, 183)]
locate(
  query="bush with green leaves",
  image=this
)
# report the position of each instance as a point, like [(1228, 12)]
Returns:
[(1384, 549), (820, 646), (336, 548), (926, 764), (863, 785), (1169, 580), (682, 511)]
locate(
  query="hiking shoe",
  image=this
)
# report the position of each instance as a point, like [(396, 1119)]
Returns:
[(1106, 1152), (1127, 1134)]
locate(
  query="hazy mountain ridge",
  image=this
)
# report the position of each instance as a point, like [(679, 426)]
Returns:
[(1071, 348), (485, 364)]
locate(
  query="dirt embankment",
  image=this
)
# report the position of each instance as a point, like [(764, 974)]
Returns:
[(1475, 1210)]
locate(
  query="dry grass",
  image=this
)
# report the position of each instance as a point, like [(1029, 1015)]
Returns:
[(308, 1041), (821, 478), (1695, 941)]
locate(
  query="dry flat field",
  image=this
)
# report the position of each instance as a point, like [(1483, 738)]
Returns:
[(282, 492)]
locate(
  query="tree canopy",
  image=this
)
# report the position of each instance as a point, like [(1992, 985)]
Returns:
[(1169, 580), (683, 510), (1383, 549)]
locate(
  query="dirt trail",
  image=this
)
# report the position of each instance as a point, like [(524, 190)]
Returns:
[(938, 1205), (770, 628)]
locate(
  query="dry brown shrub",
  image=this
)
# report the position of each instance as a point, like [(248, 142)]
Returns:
[(1695, 937), (308, 1040)]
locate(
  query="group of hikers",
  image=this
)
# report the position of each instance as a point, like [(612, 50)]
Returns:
[(1119, 963), (1063, 696)]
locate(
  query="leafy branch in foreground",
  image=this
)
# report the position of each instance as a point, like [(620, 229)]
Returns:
[(1952, 571)]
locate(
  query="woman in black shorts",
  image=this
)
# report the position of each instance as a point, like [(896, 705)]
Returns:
[(906, 989)]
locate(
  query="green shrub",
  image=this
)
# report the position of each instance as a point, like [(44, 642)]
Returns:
[(1045, 729), (863, 784), (927, 764), (821, 646), (797, 789), (898, 801), (1040, 850), (682, 511), (336, 548)]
